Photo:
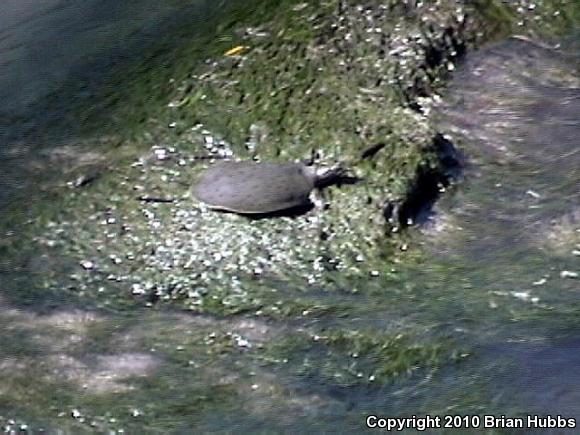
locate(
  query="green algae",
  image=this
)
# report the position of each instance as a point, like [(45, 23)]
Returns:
[(75, 391), (345, 358), (351, 228), (244, 92)]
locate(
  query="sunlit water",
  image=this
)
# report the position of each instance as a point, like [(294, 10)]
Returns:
[(496, 275)]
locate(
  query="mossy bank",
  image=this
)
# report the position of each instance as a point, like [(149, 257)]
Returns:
[(350, 82)]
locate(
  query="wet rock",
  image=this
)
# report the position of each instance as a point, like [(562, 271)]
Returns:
[(430, 182)]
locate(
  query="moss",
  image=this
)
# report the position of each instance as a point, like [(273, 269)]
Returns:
[(176, 407), (346, 358), (542, 20), (498, 17), (301, 86), (127, 107)]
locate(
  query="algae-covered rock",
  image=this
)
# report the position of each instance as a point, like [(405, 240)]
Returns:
[(337, 82)]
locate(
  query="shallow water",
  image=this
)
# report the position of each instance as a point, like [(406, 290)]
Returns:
[(512, 229), (47, 46), (490, 277), (57, 54)]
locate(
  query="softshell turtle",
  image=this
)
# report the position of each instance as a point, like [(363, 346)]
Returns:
[(261, 187)]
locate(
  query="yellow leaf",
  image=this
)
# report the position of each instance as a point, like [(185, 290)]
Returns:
[(236, 50)]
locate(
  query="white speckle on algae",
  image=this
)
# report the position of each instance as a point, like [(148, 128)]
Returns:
[(569, 274), (87, 265)]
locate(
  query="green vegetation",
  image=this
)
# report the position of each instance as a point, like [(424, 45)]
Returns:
[(348, 358)]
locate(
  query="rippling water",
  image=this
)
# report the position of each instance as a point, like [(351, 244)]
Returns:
[(58, 53), (46, 45), (512, 231)]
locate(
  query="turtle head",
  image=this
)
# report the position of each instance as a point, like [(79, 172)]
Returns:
[(336, 174)]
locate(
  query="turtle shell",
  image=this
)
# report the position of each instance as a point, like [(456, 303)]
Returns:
[(251, 187)]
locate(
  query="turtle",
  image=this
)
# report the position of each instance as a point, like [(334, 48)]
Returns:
[(249, 187)]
